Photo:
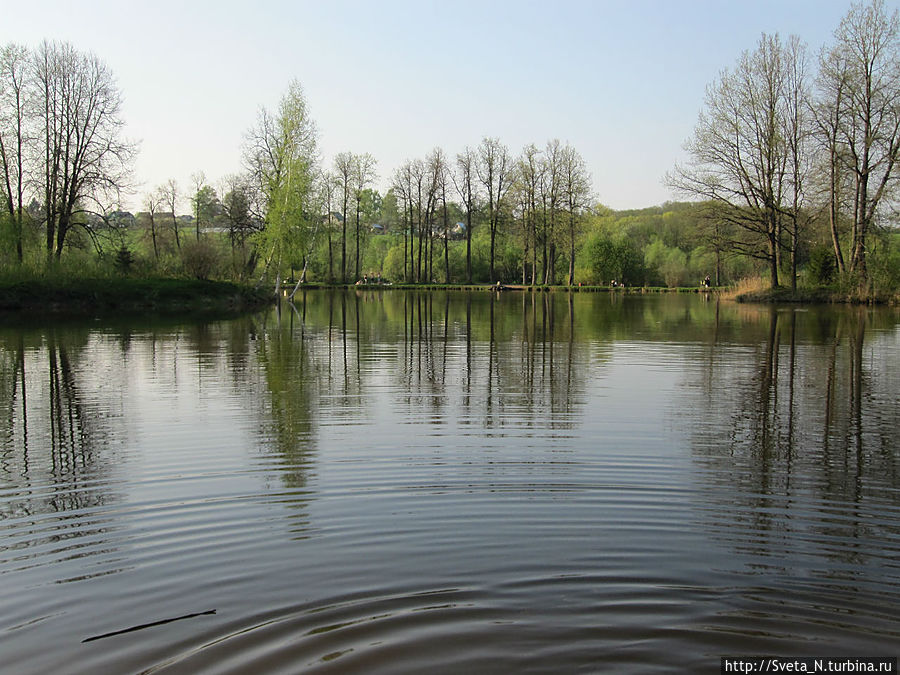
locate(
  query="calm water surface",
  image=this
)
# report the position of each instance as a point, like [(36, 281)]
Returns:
[(448, 482)]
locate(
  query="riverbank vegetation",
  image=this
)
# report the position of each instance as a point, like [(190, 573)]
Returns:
[(791, 176)]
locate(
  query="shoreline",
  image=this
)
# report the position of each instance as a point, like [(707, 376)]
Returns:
[(104, 296)]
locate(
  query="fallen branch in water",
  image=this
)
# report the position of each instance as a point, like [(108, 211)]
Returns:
[(148, 625)]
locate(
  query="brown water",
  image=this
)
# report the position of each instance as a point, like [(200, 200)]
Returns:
[(448, 482)]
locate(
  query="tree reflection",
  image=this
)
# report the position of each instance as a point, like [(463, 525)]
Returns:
[(806, 426), (56, 435)]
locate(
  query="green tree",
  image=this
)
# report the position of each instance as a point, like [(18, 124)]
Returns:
[(281, 154)]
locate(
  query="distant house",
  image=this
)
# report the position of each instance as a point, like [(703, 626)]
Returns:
[(377, 229), (122, 219)]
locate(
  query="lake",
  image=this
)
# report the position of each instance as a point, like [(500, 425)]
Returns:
[(408, 482)]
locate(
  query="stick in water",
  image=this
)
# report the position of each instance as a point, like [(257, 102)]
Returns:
[(148, 625)]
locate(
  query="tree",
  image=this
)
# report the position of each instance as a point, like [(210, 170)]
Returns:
[(466, 181), (576, 191), (440, 176), (84, 159), (739, 157), (551, 195), (238, 211), (13, 110), (169, 195), (204, 203), (494, 168), (327, 186), (363, 174), (343, 168), (530, 173), (281, 155), (152, 201), (859, 121)]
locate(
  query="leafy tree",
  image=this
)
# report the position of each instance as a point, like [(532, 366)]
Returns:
[(281, 154)]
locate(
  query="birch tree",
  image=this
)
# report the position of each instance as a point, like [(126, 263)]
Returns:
[(281, 154)]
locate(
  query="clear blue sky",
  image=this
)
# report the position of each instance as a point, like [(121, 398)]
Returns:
[(621, 80)]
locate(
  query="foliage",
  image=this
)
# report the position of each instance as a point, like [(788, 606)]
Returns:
[(200, 258), (613, 259)]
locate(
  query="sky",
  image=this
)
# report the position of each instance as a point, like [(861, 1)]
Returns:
[(622, 81)]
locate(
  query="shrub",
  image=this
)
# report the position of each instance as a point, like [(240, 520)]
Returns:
[(200, 259)]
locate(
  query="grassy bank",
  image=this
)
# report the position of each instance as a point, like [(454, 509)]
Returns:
[(817, 295), (87, 296)]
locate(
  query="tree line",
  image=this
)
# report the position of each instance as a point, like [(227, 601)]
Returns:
[(792, 172)]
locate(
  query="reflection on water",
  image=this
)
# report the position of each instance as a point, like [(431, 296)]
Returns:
[(498, 482)]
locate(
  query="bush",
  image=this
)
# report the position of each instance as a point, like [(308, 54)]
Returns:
[(200, 259)]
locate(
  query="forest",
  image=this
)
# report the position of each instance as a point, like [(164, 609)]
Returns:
[(791, 179)]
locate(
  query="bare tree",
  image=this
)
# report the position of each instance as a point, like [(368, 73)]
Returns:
[(169, 195), (327, 186), (494, 169), (402, 185), (363, 176), (466, 181), (152, 201), (13, 111), (440, 177), (343, 167), (859, 119), (576, 190), (551, 195), (85, 160), (739, 157), (529, 172)]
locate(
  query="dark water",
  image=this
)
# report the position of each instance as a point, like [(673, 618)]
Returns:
[(407, 483)]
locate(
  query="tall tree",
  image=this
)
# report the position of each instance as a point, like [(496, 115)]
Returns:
[(152, 201), (551, 196), (363, 176), (530, 170), (343, 168), (494, 169), (281, 154), (440, 177), (328, 185), (466, 181), (85, 160), (169, 193), (860, 115), (576, 190), (13, 111), (739, 157), (203, 201)]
